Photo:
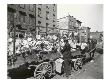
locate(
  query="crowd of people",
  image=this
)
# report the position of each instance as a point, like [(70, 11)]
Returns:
[(24, 46), (64, 45)]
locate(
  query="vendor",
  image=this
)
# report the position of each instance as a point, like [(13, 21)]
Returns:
[(66, 51)]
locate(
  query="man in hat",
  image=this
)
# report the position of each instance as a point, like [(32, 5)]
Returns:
[(66, 51), (92, 47)]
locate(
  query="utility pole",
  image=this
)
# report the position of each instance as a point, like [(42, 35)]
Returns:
[(14, 39), (35, 21)]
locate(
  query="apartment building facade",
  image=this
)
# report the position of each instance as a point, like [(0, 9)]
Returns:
[(69, 25), (46, 15), (22, 18)]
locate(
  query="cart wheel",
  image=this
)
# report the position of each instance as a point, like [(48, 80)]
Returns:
[(78, 64), (43, 70)]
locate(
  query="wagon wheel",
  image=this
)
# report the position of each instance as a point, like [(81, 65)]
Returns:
[(43, 70), (78, 64)]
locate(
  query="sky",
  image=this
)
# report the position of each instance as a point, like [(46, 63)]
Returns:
[(91, 15)]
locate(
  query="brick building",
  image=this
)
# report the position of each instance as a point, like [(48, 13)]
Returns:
[(46, 15), (22, 17)]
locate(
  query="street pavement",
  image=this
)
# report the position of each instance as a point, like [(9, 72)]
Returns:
[(91, 70)]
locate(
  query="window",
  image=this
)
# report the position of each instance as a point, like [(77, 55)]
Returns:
[(47, 12), (53, 4), (53, 25), (31, 20), (47, 7), (54, 9), (54, 15), (47, 24), (53, 20), (39, 9), (47, 18), (39, 12), (39, 22), (47, 15)]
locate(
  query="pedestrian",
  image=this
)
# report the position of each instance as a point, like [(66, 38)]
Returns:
[(92, 47), (66, 52)]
